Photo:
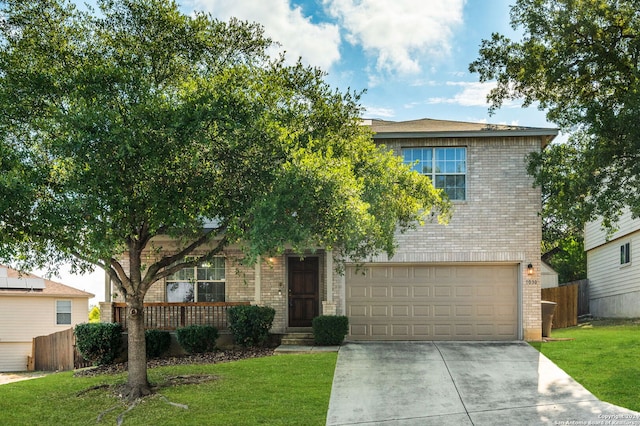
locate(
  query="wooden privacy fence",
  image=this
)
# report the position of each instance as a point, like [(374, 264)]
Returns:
[(566, 297), (56, 352), (583, 296), (169, 316)]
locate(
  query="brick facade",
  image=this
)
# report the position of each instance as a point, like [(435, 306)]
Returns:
[(497, 223)]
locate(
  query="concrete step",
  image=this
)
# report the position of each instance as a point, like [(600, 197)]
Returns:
[(297, 339)]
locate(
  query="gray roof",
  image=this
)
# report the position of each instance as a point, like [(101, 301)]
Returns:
[(430, 128)]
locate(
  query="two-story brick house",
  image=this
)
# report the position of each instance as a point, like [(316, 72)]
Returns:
[(477, 278)]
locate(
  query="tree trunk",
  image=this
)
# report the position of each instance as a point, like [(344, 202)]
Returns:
[(138, 383)]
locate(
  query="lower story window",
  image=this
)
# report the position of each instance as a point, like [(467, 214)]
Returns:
[(63, 312), (204, 282)]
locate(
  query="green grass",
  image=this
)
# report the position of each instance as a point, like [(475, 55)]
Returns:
[(276, 390), (603, 357)]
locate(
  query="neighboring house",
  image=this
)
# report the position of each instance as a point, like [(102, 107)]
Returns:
[(31, 306), (477, 278), (549, 277), (613, 269)]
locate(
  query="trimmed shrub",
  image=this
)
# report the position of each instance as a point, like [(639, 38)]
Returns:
[(157, 341), (196, 339), (250, 324), (330, 330), (99, 342)]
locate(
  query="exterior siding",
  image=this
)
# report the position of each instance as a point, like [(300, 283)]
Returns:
[(13, 355), (595, 235), (24, 317), (614, 289)]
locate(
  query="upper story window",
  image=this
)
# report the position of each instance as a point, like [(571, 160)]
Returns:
[(625, 254), (63, 312), (201, 283), (447, 168)]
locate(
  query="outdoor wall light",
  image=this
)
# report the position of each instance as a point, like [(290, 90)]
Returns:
[(530, 269)]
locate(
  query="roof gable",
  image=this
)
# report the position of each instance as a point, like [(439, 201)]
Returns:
[(430, 128)]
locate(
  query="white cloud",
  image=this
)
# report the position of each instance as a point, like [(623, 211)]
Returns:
[(317, 44), (472, 94), (399, 33), (377, 112)]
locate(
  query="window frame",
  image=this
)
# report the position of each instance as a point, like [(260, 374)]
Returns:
[(433, 174), (625, 254), (58, 312), (194, 280)]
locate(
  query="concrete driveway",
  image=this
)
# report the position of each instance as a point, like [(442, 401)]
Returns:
[(460, 383)]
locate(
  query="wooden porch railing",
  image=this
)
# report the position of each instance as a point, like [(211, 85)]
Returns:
[(169, 316)]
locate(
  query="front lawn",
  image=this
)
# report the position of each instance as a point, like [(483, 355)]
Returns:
[(603, 357), (274, 390)]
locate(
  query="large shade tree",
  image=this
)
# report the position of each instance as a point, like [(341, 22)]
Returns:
[(135, 120), (579, 61)]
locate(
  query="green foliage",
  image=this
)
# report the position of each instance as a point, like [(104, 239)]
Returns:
[(250, 324), (94, 314), (99, 343), (157, 341), (127, 149), (569, 259), (578, 61), (136, 120), (330, 330), (196, 339)]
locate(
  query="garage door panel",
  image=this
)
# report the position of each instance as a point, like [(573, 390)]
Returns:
[(399, 292), (380, 311), (380, 291), (443, 272), (380, 330), (420, 302), (401, 274), (424, 273), (358, 292), (377, 273), (441, 291), (421, 310), (464, 291), (359, 331), (401, 311), (464, 310), (422, 291), (358, 311), (401, 330)]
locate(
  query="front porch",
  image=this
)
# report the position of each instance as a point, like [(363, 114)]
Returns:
[(298, 288), (170, 316)]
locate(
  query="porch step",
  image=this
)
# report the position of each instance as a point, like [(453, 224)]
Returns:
[(298, 339)]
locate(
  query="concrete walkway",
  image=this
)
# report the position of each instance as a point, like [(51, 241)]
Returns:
[(460, 383), (16, 377)]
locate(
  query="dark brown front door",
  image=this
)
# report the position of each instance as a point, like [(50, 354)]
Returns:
[(303, 291)]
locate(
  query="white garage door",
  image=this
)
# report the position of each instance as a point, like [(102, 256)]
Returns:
[(432, 302)]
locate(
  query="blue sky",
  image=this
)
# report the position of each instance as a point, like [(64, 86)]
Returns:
[(411, 57)]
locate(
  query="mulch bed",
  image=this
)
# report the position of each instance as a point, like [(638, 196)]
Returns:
[(206, 358)]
